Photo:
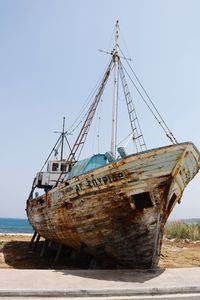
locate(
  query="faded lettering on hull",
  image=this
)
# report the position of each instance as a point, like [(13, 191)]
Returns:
[(92, 181)]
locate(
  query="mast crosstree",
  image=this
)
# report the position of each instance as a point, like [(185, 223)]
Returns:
[(116, 66), (136, 134)]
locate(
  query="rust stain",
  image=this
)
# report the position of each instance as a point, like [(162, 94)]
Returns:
[(118, 210)]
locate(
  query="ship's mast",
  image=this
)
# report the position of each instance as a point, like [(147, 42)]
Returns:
[(115, 91), (61, 141)]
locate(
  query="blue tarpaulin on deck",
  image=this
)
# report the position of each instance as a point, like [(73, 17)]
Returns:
[(88, 164)]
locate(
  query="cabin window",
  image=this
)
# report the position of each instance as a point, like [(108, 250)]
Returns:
[(63, 167), (142, 200), (55, 166)]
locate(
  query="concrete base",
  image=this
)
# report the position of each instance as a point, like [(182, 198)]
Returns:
[(101, 284)]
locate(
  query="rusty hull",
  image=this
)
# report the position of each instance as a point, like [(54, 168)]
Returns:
[(118, 210)]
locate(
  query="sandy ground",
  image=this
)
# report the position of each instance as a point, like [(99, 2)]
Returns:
[(180, 254), (15, 253)]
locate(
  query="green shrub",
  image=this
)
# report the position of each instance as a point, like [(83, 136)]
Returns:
[(180, 230)]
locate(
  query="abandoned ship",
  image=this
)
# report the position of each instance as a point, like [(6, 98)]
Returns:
[(114, 205)]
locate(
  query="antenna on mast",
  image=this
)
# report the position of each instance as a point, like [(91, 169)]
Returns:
[(116, 35), (62, 140)]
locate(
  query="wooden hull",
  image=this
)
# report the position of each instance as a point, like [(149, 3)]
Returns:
[(118, 210)]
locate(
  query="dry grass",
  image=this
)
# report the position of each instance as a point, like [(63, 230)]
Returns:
[(180, 230)]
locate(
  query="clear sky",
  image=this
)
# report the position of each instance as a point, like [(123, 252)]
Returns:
[(49, 63)]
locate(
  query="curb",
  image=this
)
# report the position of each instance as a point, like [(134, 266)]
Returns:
[(100, 293)]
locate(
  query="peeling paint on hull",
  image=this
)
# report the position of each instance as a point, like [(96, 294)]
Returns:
[(118, 210)]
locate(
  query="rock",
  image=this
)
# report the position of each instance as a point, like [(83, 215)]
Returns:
[(187, 241)]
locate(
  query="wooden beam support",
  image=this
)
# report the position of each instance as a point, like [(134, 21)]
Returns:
[(44, 247), (36, 242), (57, 254), (32, 240)]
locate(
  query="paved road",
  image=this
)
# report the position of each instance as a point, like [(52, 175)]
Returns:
[(166, 297), (141, 297), (100, 284)]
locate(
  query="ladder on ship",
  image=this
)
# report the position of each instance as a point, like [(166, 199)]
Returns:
[(136, 133)]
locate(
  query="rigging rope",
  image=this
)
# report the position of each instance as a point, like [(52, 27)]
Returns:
[(167, 131), (84, 107), (95, 126), (84, 131), (131, 133), (99, 124), (111, 39), (54, 148), (124, 56), (138, 137)]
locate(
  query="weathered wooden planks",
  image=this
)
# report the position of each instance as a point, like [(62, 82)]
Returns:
[(118, 210)]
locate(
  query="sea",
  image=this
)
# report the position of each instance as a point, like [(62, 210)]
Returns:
[(14, 226)]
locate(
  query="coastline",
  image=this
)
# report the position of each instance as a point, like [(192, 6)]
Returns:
[(15, 234), (15, 226)]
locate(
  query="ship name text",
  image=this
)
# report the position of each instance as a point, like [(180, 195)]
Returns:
[(99, 181)]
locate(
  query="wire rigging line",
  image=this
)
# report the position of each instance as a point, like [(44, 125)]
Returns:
[(124, 56), (71, 129), (86, 126), (168, 132), (117, 104), (54, 148), (57, 148), (82, 110), (138, 138), (111, 38), (131, 133), (95, 125), (68, 143), (99, 124)]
